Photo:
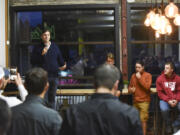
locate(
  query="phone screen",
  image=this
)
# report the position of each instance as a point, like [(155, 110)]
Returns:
[(13, 73)]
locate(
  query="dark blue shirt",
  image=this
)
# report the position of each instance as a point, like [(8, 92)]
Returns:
[(50, 62)]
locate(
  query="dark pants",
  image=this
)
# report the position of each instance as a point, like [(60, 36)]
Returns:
[(51, 93)]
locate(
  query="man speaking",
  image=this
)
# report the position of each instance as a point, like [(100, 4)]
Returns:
[(48, 56)]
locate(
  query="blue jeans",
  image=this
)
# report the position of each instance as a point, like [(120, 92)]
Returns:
[(165, 110), (51, 93)]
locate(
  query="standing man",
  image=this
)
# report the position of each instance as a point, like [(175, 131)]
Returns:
[(139, 86), (103, 113), (48, 56), (32, 117), (168, 88)]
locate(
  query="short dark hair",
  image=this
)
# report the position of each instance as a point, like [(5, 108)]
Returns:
[(5, 117), (35, 80), (105, 76), (45, 30), (140, 62), (171, 64)]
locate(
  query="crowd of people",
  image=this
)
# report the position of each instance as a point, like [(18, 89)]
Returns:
[(103, 114)]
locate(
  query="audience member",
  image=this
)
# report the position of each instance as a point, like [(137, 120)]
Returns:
[(139, 86), (12, 101), (168, 88), (32, 117), (5, 117), (110, 60), (103, 113)]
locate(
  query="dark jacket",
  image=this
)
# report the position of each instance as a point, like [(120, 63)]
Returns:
[(168, 88), (103, 114), (33, 118), (50, 62)]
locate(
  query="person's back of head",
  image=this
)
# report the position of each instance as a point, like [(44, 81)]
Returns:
[(5, 116), (106, 76), (36, 81)]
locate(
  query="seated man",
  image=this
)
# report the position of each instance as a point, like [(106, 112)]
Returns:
[(168, 88), (32, 117), (103, 114), (110, 60), (5, 116), (11, 101)]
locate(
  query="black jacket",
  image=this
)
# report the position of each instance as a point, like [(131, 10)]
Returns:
[(103, 114), (33, 118), (50, 61)]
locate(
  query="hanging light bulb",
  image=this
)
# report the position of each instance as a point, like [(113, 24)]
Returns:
[(147, 22), (149, 18), (155, 24), (171, 10), (151, 15), (157, 35), (164, 22), (169, 29), (177, 20)]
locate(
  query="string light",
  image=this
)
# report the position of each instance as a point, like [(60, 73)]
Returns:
[(158, 19), (171, 10)]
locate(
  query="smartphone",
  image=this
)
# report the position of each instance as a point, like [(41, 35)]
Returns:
[(13, 73)]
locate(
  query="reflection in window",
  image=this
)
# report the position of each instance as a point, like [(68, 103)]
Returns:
[(153, 54), (83, 36)]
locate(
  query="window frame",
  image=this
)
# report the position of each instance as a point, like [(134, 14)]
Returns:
[(15, 46)]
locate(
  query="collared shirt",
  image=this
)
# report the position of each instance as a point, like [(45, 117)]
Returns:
[(103, 114), (33, 118)]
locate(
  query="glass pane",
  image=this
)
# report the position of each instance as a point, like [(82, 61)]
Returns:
[(154, 55), (29, 26), (83, 36)]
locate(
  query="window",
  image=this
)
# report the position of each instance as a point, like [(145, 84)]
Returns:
[(84, 36), (143, 45)]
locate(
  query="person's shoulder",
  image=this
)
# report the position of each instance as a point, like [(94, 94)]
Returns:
[(54, 44), (52, 115), (160, 78), (133, 75), (147, 73), (127, 108)]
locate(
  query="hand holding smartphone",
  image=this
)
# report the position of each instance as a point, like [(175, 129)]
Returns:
[(13, 73)]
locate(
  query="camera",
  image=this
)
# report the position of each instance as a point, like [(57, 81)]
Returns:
[(13, 73)]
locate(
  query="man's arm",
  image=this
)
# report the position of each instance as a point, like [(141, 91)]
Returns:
[(22, 91), (62, 63), (145, 81), (161, 92)]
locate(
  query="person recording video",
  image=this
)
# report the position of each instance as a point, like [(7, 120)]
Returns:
[(4, 80)]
